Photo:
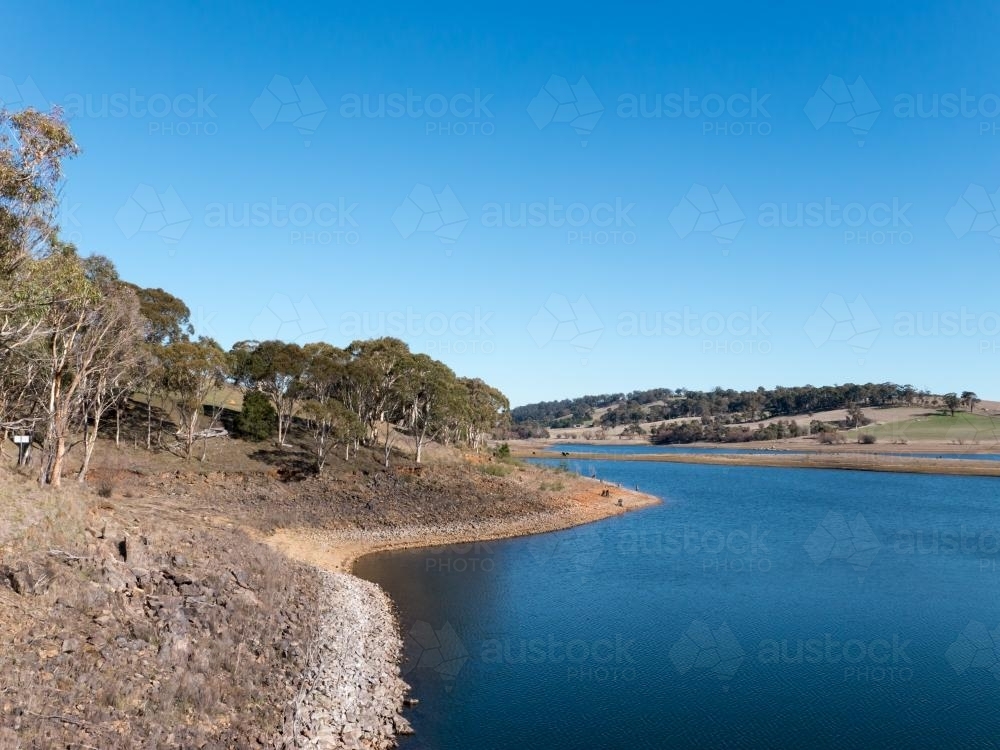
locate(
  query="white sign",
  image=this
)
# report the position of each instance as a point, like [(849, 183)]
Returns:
[(22, 439)]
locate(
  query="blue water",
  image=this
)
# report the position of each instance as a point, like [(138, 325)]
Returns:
[(640, 448), (680, 626)]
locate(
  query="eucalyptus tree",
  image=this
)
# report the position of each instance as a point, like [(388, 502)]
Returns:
[(970, 398), (429, 394), (120, 361), (191, 371), (166, 319), (33, 146), (329, 421), (274, 368), (951, 402), (487, 410), (373, 372)]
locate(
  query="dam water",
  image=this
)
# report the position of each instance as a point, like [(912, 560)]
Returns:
[(756, 607)]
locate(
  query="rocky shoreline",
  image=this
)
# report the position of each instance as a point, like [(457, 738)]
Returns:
[(352, 694), (338, 549)]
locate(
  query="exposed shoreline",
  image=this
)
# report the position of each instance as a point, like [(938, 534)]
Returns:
[(338, 550), (354, 696), (523, 448), (850, 461)]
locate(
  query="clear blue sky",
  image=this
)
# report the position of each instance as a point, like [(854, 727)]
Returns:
[(189, 114)]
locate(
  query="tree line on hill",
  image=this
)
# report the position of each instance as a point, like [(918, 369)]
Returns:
[(715, 410), (78, 344)]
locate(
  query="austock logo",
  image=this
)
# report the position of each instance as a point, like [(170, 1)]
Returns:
[(849, 104), (560, 101), (574, 323), (838, 320), (423, 210), (439, 650), (733, 115), (976, 211), (146, 210), (281, 101), (574, 551), (703, 649), (287, 320), (701, 210), (976, 648), (839, 538), (21, 96)]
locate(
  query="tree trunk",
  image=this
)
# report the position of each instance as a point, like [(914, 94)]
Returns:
[(89, 442), (418, 439), (55, 470), (118, 427), (190, 436), (388, 445)]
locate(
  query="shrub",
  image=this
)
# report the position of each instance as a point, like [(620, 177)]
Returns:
[(867, 439), (502, 452), (258, 420), (496, 470), (831, 438)]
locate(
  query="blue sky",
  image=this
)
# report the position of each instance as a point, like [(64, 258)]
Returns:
[(237, 156)]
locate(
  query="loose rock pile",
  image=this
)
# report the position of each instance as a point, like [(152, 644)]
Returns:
[(352, 692)]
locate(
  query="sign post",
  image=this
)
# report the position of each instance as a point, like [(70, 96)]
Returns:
[(22, 442)]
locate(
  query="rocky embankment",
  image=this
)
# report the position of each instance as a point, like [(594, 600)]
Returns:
[(352, 693), (121, 635)]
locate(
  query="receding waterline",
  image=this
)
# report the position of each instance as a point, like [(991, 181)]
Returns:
[(756, 606)]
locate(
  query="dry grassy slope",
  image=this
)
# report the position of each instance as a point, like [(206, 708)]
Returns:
[(129, 627), (152, 618)]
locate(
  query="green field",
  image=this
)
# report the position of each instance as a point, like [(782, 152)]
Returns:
[(963, 428)]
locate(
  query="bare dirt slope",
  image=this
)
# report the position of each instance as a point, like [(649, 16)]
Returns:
[(145, 610)]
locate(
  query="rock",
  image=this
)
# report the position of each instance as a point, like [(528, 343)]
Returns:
[(242, 578), (178, 578), (352, 680), (116, 576), (135, 550), (27, 578)]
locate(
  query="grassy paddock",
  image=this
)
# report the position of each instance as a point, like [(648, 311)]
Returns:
[(961, 428)]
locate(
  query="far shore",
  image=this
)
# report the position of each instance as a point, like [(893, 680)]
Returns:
[(339, 550), (841, 459), (523, 448)]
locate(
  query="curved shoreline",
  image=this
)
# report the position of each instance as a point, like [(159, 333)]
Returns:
[(338, 550), (352, 695)]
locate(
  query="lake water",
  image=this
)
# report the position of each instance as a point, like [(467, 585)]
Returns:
[(756, 607), (640, 448)]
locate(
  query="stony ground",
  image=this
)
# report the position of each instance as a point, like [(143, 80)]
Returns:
[(129, 631), (352, 693), (146, 611)]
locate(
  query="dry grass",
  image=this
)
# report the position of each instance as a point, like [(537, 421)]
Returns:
[(197, 639)]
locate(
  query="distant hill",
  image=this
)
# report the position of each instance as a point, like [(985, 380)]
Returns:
[(723, 406)]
